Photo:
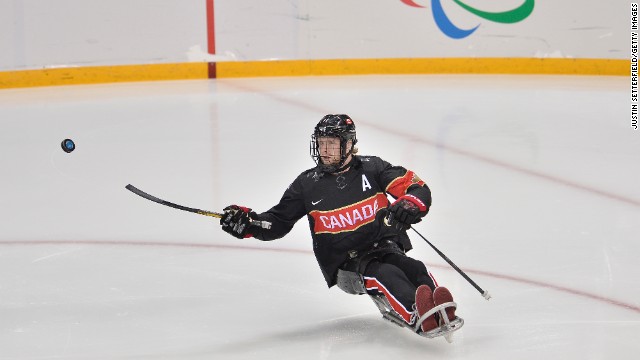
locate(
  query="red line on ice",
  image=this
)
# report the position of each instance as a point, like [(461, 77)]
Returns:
[(580, 293)]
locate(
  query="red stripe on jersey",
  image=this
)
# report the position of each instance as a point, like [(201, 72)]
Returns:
[(399, 186), (348, 218), (373, 284)]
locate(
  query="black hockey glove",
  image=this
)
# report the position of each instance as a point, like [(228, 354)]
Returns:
[(406, 210), (237, 221)]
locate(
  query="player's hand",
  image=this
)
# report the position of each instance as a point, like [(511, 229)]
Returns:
[(405, 211), (237, 221)]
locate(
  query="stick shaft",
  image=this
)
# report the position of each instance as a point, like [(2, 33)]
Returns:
[(135, 190), (484, 293)]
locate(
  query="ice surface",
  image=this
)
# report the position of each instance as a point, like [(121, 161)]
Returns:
[(535, 184)]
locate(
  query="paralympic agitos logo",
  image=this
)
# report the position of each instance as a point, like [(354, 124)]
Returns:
[(451, 30)]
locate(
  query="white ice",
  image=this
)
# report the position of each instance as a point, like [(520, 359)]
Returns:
[(536, 193)]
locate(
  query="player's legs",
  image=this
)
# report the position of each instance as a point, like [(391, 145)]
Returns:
[(428, 294), (414, 270), (389, 280)]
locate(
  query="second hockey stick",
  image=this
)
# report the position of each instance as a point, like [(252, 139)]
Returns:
[(133, 189)]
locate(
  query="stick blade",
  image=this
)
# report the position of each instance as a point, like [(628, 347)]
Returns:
[(139, 192)]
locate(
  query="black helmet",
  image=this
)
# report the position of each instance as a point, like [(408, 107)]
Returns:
[(340, 126)]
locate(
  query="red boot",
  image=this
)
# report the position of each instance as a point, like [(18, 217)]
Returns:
[(424, 303), (442, 295)]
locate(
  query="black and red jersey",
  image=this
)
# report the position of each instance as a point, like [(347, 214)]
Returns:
[(344, 210)]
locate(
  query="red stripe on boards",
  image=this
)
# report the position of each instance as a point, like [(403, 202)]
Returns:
[(211, 68), (211, 33), (211, 38)]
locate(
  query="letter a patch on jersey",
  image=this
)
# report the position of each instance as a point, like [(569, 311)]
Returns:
[(365, 183)]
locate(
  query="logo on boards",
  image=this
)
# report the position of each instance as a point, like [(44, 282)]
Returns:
[(447, 26)]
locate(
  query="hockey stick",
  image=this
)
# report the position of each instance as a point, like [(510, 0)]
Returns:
[(133, 189), (484, 293)]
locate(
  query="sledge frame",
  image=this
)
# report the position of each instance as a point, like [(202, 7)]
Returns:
[(353, 283)]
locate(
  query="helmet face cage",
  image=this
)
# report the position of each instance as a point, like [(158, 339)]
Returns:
[(340, 126)]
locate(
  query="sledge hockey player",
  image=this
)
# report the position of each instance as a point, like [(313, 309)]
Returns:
[(355, 229)]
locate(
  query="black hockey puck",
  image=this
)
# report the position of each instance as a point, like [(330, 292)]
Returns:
[(68, 145)]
